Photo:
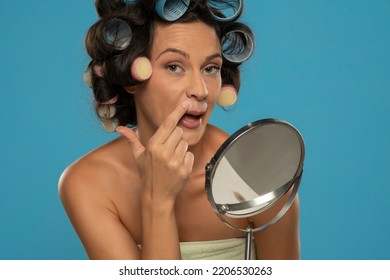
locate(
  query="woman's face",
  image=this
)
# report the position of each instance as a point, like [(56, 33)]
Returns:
[(186, 61)]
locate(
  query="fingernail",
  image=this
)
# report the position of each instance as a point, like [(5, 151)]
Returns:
[(119, 129), (186, 104)]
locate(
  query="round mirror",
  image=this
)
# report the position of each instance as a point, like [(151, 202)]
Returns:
[(254, 168)]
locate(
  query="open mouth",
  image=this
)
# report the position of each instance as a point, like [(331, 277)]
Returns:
[(193, 115), (192, 119)]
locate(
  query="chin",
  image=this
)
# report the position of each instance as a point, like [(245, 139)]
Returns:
[(193, 137)]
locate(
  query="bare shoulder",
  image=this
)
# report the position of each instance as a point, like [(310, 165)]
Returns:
[(96, 173), (97, 192), (217, 132), (215, 136)]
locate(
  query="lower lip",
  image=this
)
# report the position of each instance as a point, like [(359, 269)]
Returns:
[(190, 123)]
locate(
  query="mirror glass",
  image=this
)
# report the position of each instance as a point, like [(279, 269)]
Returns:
[(254, 168)]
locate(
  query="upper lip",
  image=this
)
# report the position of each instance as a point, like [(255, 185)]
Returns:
[(197, 109), (195, 112)]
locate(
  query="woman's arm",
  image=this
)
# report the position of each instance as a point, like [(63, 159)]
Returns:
[(280, 241), (93, 215), (164, 165)]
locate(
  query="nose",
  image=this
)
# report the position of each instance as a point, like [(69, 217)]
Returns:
[(197, 87)]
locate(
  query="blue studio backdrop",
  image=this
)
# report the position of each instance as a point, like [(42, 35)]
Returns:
[(322, 65)]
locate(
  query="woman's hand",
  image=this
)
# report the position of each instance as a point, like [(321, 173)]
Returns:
[(164, 163)]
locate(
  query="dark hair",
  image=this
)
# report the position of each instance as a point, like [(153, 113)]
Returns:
[(115, 63)]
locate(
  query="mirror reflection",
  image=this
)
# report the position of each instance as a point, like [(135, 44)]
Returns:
[(255, 167), (258, 168)]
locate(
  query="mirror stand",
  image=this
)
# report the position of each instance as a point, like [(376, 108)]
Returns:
[(248, 243)]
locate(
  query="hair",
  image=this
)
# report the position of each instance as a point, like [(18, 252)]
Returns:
[(115, 63)]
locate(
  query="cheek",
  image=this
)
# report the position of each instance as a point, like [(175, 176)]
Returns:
[(160, 97), (214, 88), (163, 86), (155, 89)]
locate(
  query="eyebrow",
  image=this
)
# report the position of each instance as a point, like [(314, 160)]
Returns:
[(210, 57), (186, 55), (182, 53)]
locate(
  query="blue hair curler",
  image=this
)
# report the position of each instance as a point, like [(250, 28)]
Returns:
[(171, 10), (117, 33), (237, 46), (229, 9), (130, 1)]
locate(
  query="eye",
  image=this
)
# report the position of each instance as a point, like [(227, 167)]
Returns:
[(213, 69), (174, 68)]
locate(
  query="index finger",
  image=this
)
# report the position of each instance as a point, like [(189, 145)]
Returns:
[(170, 122)]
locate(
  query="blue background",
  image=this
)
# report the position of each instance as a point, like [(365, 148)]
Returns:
[(322, 65)]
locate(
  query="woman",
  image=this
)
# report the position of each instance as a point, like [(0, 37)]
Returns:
[(141, 196)]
